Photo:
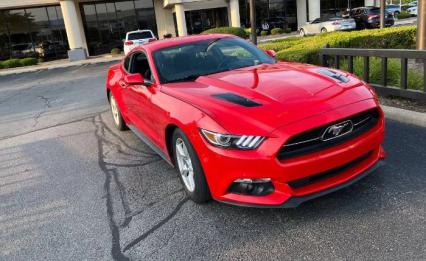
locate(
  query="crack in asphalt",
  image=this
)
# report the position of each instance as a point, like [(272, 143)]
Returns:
[(157, 226), (111, 172), (115, 233), (47, 106)]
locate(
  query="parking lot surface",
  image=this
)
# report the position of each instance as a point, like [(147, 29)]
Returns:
[(74, 188)]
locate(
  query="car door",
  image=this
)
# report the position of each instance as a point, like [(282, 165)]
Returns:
[(315, 26), (137, 97)]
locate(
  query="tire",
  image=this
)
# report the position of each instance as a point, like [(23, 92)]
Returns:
[(116, 114), (302, 33), (198, 191), (396, 14), (323, 30)]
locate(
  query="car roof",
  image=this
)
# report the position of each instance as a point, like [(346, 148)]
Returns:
[(164, 43)]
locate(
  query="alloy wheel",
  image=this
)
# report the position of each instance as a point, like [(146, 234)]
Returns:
[(114, 110), (185, 165)]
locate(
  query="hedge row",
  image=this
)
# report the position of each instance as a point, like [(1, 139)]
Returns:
[(11, 63), (306, 49), (245, 33), (240, 32)]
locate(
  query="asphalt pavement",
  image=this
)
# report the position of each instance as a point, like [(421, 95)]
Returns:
[(74, 188)]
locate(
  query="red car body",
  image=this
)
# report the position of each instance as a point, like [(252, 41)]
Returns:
[(295, 99)]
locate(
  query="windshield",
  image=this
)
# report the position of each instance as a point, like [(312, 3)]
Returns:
[(189, 61), (139, 35)]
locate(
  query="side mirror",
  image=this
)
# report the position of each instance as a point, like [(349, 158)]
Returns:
[(134, 79), (271, 53)]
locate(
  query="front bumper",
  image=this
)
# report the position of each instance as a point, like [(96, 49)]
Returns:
[(294, 202), (223, 167)]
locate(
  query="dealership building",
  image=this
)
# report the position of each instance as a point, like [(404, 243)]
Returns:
[(49, 28)]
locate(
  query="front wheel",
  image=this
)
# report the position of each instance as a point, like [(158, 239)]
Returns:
[(116, 114), (189, 167), (302, 33), (396, 14), (324, 30)]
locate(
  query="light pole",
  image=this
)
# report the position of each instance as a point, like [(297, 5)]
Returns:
[(382, 13), (253, 22), (421, 25)]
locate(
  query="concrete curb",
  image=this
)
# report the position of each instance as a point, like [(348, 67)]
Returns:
[(405, 116), (65, 64)]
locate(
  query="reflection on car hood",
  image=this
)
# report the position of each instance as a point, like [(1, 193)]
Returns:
[(279, 94)]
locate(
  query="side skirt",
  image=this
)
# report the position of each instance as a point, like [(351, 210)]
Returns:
[(150, 144)]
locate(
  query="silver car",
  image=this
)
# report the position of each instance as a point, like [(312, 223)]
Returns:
[(395, 10), (330, 25)]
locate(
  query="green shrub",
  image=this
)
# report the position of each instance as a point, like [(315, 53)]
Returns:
[(287, 30), (228, 30), (404, 15), (115, 51), (264, 33), (306, 49), (277, 31), (28, 61), (1, 65), (11, 63)]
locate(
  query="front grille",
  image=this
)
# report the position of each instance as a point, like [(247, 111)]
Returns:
[(295, 184), (311, 141)]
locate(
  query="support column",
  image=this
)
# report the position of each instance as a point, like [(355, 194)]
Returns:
[(74, 30), (180, 20), (421, 25), (234, 10), (314, 9), (302, 17), (382, 13)]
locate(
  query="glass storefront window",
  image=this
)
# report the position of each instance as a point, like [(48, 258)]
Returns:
[(107, 22), (277, 13), (335, 8), (32, 32), (145, 15), (47, 42), (4, 38), (198, 21), (126, 17)]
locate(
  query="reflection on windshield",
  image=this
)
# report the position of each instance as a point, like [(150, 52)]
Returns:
[(189, 61)]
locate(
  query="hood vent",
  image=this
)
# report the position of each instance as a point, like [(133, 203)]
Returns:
[(334, 75), (230, 97)]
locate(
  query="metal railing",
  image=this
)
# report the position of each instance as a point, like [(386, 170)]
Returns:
[(402, 54)]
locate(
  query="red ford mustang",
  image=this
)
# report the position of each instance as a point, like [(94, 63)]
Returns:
[(242, 128)]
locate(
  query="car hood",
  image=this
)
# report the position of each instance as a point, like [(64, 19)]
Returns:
[(259, 99)]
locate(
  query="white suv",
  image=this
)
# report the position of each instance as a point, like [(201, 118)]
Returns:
[(136, 38)]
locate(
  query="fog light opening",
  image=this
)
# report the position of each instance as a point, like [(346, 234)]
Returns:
[(252, 187)]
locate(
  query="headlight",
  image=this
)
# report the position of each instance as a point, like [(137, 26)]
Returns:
[(245, 142)]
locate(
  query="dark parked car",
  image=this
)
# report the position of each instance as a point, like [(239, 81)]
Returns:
[(369, 17)]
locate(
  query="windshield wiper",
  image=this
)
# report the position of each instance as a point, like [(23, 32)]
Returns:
[(191, 77), (210, 43)]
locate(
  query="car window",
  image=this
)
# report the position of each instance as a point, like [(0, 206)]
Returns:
[(127, 62), (139, 64), (189, 61), (139, 35)]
